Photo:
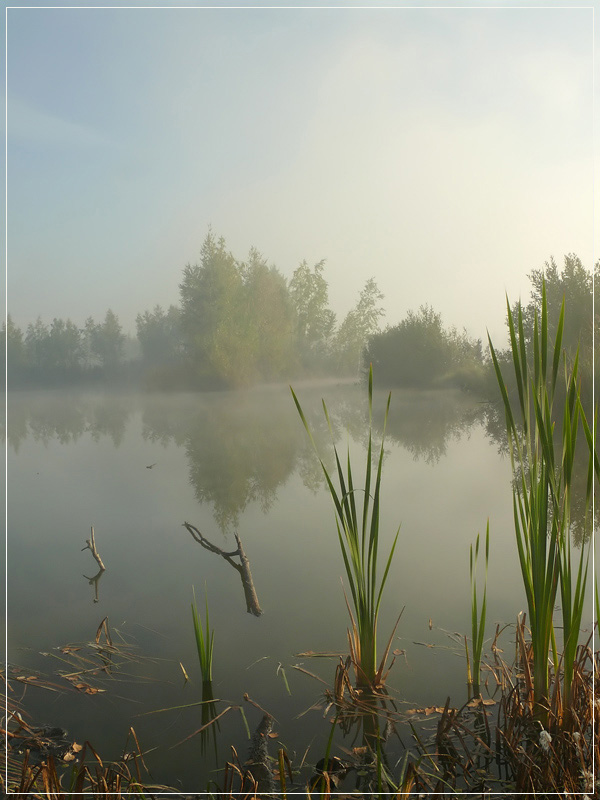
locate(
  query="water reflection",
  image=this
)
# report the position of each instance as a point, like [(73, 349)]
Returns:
[(46, 416), (424, 423), (242, 447), (582, 522)]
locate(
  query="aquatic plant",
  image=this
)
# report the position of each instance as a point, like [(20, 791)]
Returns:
[(477, 621), (204, 641), (358, 534), (542, 492)]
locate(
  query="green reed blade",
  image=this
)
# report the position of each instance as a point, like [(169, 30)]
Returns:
[(359, 541), (204, 640)]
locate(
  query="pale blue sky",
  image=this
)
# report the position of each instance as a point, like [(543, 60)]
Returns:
[(445, 152)]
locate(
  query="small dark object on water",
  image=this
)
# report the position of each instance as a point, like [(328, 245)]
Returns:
[(152, 465), (41, 742)]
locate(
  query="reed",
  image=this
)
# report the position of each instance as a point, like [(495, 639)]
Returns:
[(478, 620), (204, 641), (543, 473), (358, 534)]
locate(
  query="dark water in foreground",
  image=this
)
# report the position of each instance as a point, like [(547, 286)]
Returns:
[(235, 463)]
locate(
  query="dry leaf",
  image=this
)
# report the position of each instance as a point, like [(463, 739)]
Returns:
[(427, 711)]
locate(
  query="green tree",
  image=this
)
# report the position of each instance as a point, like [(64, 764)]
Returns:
[(573, 283), (360, 323), (270, 316), (36, 344), (64, 347), (106, 341), (159, 335), (315, 320), (214, 316), (13, 357), (237, 318)]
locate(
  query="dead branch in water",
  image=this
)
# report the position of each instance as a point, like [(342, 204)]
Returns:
[(252, 605), (90, 544)]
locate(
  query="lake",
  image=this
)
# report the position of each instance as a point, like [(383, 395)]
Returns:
[(136, 466)]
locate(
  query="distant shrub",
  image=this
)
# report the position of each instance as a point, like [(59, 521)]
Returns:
[(420, 353)]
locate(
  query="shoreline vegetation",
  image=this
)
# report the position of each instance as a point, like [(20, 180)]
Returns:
[(530, 724), (240, 323)]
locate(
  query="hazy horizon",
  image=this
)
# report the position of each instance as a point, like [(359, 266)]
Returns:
[(445, 152)]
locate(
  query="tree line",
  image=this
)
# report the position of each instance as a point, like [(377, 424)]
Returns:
[(237, 323), (62, 351), (240, 322), (420, 352)]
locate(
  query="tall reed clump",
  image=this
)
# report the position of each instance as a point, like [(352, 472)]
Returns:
[(204, 641), (477, 620), (543, 474), (358, 534)]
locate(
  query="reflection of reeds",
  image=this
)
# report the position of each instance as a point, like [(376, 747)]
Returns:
[(358, 534), (542, 494), (208, 716)]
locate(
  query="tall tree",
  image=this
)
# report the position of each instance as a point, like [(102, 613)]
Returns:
[(64, 349), (213, 316), (106, 340), (159, 335), (574, 283), (270, 316), (12, 349), (360, 323), (36, 344), (15, 346), (315, 320)]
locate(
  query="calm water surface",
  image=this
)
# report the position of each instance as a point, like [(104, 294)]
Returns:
[(236, 463)]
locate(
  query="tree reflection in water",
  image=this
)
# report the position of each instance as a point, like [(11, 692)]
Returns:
[(242, 447)]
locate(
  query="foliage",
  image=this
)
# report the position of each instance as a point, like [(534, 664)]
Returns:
[(106, 341), (62, 351), (210, 294), (542, 491), (359, 542), (575, 285), (315, 321), (159, 335), (420, 353), (236, 317), (270, 316), (360, 323)]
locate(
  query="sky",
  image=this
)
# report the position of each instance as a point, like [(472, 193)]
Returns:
[(444, 151)]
